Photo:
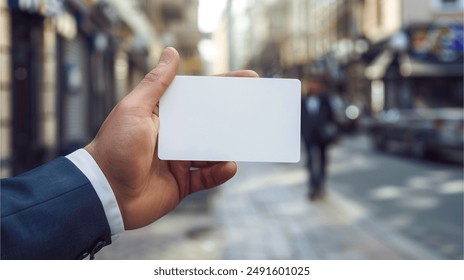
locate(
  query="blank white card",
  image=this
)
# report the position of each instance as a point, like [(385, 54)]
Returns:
[(230, 119)]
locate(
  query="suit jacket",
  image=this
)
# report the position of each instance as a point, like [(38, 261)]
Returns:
[(313, 123), (51, 212)]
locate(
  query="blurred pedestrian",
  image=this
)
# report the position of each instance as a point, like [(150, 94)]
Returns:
[(319, 129)]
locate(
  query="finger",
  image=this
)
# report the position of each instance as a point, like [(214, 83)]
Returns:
[(212, 176), (191, 165), (156, 109), (201, 164), (241, 73), (197, 164), (155, 83), (181, 171)]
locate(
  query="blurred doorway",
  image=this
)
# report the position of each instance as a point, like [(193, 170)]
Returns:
[(73, 93), (27, 50)]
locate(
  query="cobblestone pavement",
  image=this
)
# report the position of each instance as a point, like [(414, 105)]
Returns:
[(263, 213)]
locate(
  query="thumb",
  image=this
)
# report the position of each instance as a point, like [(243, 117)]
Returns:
[(155, 83)]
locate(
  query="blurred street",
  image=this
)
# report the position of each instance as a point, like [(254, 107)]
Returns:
[(384, 76), (378, 207)]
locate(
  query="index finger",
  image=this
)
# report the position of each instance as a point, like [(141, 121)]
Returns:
[(240, 73)]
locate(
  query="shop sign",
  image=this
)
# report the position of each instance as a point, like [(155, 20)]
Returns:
[(443, 43)]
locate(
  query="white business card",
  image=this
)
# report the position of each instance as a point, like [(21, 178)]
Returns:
[(230, 119)]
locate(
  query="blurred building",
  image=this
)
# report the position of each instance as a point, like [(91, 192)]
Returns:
[(417, 56), (356, 43), (176, 23), (256, 29), (65, 64)]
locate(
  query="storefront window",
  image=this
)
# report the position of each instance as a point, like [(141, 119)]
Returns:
[(439, 93)]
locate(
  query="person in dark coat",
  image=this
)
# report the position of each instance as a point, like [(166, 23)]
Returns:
[(319, 129)]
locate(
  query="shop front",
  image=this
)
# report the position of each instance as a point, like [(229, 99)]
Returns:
[(417, 92)]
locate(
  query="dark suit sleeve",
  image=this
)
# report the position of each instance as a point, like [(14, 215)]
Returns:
[(51, 212)]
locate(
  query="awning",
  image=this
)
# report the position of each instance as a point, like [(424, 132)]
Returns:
[(378, 68), (410, 67)]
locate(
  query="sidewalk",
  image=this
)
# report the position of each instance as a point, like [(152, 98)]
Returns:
[(265, 214)]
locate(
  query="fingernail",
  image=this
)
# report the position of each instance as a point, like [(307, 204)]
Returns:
[(166, 56)]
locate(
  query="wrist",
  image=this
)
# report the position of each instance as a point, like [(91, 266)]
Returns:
[(87, 164), (90, 148)]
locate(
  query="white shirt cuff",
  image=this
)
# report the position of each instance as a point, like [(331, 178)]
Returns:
[(85, 162)]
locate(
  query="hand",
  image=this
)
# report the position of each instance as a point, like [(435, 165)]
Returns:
[(125, 148)]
